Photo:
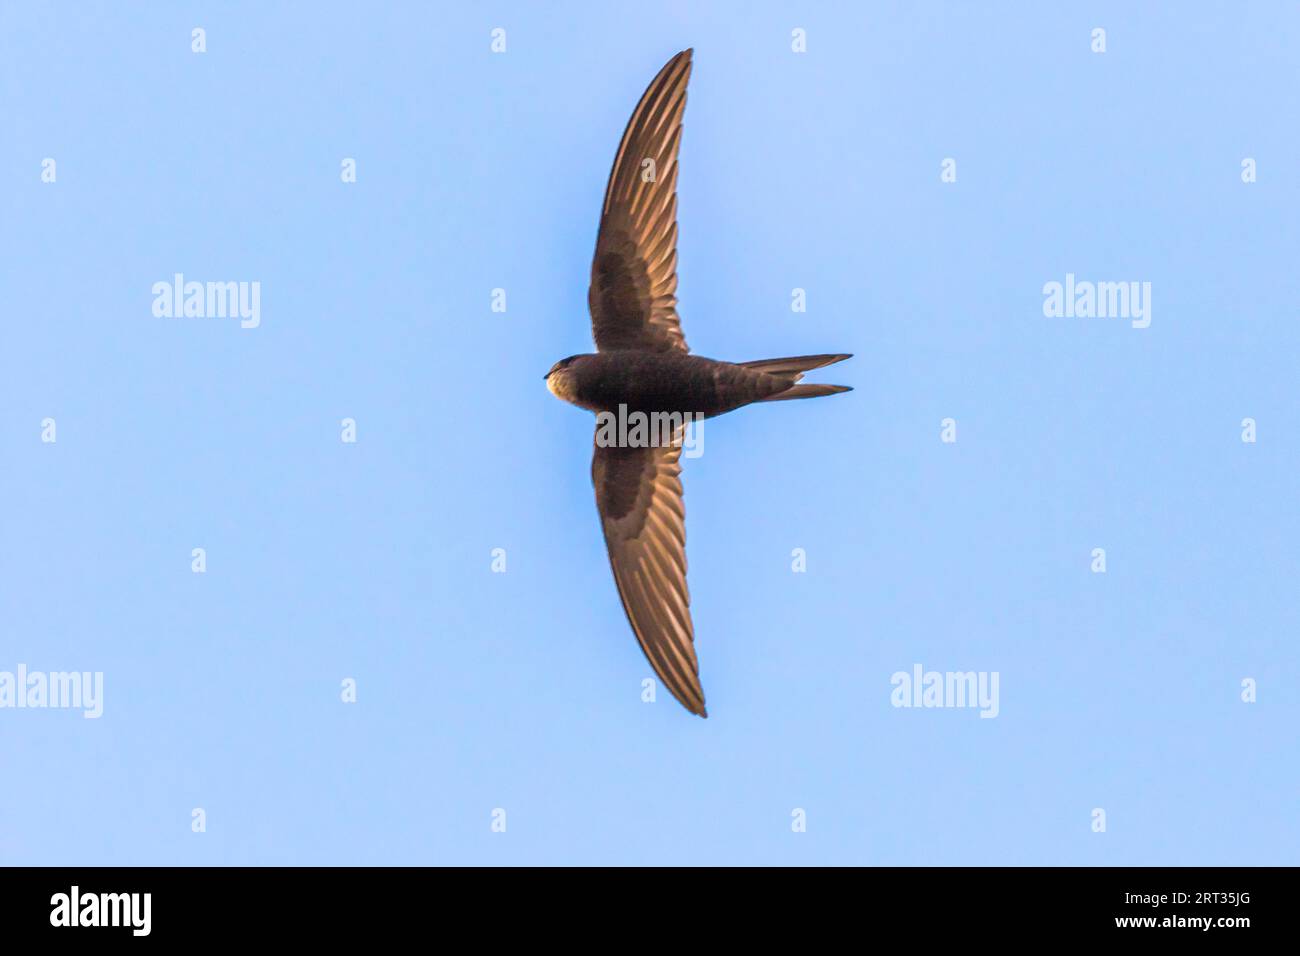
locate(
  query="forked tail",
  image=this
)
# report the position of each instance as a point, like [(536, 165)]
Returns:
[(792, 369)]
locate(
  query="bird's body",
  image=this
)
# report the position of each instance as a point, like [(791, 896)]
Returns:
[(669, 381), (642, 365)]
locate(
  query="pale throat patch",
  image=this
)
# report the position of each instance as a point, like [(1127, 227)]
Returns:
[(560, 385)]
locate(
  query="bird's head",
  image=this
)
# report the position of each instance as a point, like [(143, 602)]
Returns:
[(560, 379)]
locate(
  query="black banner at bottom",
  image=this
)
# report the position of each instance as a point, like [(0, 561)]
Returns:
[(1175, 905)]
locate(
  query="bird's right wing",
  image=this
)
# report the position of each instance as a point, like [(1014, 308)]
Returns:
[(632, 297), (639, 496)]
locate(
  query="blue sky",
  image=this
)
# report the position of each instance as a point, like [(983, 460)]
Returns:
[(371, 560)]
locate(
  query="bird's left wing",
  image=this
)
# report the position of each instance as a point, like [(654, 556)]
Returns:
[(632, 297), (639, 496)]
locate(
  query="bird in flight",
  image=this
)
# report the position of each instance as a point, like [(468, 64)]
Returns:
[(642, 365)]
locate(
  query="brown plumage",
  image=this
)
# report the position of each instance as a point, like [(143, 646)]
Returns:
[(643, 365)]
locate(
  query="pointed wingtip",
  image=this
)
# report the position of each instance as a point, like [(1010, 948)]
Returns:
[(680, 63)]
